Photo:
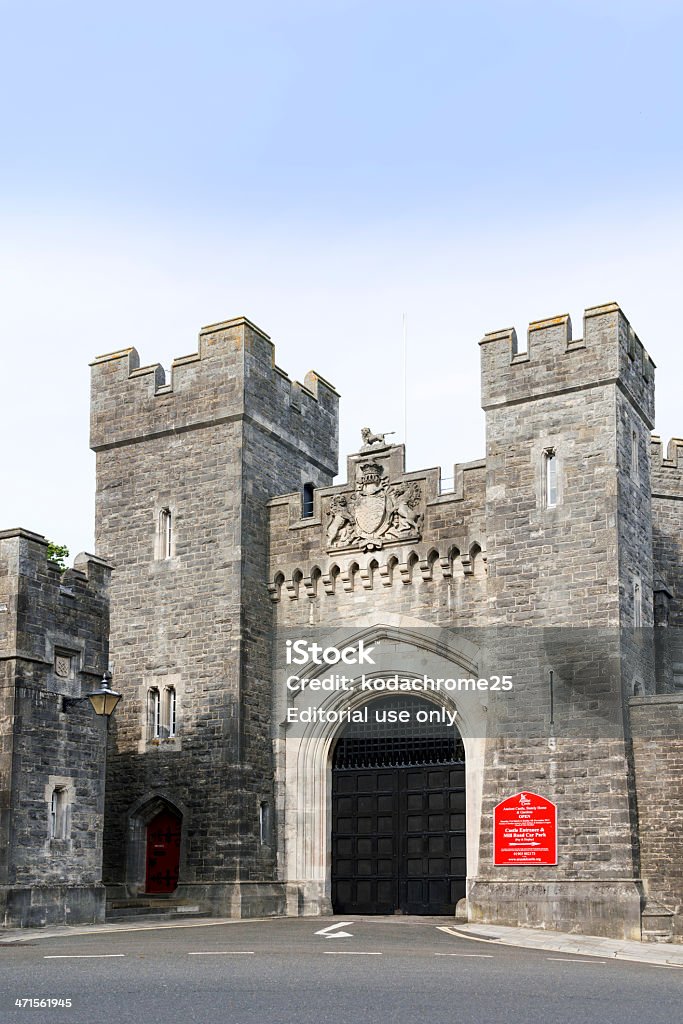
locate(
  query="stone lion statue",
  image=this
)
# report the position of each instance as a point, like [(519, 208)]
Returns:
[(370, 440)]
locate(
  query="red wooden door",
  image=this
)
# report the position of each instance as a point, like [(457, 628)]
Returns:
[(163, 853)]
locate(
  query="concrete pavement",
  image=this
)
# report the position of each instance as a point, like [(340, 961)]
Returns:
[(663, 954)]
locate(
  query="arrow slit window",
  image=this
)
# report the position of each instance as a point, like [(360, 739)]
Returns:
[(165, 539), (549, 478)]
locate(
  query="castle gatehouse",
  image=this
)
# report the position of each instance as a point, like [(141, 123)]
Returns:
[(525, 766)]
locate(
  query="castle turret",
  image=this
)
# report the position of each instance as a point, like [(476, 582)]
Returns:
[(53, 652), (185, 469), (569, 534), (568, 485)]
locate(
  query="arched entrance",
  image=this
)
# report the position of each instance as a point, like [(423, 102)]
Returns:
[(157, 833), (398, 812), (162, 860)]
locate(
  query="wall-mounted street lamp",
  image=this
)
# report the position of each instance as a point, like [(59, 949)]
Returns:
[(103, 700)]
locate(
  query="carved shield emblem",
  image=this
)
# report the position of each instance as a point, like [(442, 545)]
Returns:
[(370, 511)]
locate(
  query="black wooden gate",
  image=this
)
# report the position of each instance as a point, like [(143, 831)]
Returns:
[(398, 822)]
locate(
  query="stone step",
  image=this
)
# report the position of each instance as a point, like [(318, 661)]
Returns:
[(653, 936), (147, 901), (141, 916), (151, 909)]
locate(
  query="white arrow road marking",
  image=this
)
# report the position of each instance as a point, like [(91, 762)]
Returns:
[(331, 933)]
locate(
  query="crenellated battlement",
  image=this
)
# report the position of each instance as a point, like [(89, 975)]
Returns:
[(554, 361), (44, 610), (231, 376), (667, 469), (430, 531)]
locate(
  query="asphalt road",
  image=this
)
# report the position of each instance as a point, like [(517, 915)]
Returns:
[(389, 971)]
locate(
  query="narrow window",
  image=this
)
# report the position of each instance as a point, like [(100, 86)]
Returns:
[(549, 478), (172, 708), (637, 604), (58, 813), (307, 503), (154, 713), (634, 455), (265, 823), (165, 533)]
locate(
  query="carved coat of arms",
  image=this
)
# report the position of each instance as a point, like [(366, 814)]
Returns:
[(376, 512)]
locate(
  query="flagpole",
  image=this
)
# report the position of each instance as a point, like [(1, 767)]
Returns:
[(405, 380)]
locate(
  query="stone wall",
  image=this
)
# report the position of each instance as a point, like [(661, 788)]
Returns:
[(53, 649), (657, 726)]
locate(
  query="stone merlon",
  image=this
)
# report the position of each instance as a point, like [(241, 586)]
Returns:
[(554, 362), (232, 377)]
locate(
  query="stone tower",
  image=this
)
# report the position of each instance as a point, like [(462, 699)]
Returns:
[(185, 469), (569, 539), (54, 629)]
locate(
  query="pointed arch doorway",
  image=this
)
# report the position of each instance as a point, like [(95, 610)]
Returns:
[(162, 860), (398, 813)]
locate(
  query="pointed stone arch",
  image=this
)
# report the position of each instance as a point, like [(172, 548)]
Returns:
[(306, 756), (144, 810)]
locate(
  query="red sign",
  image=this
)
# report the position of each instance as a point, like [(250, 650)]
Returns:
[(525, 830)]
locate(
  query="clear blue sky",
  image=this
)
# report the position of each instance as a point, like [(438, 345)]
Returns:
[(324, 168)]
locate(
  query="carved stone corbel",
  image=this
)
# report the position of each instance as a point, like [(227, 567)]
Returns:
[(425, 569), (347, 581), (366, 578), (446, 568), (385, 575), (406, 572)]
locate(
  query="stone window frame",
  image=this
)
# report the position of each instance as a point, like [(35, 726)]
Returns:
[(170, 699), (165, 536), (265, 820), (637, 602), (154, 713), (59, 829), (549, 458), (161, 700), (307, 500)]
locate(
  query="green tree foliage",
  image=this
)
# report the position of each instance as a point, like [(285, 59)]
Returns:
[(57, 553)]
